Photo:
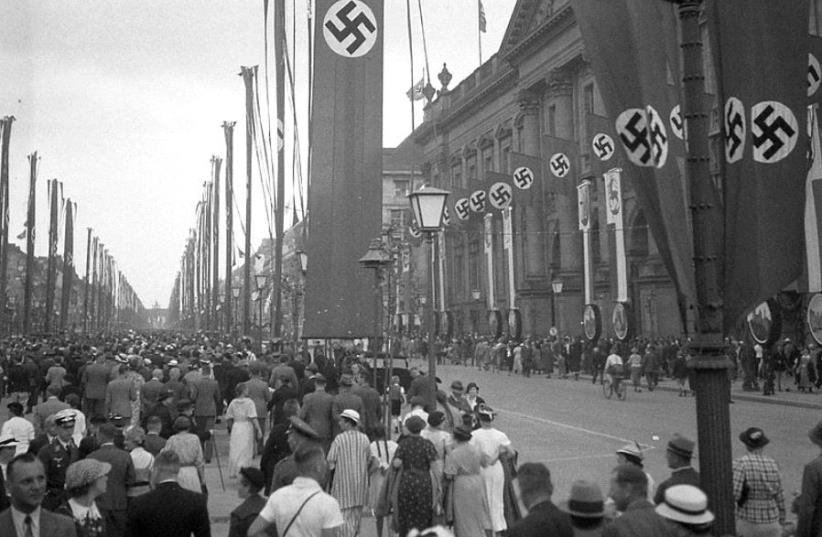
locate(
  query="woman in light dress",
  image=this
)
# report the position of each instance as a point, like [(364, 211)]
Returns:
[(468, 502), (493, 445), (187, 446), (142, 459), (241, 420)]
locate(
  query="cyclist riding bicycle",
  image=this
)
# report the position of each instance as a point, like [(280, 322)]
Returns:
[(613, 369)]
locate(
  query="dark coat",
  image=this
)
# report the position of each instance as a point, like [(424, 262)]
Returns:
[(120, 477), (543, 519), (682, 476), (168, 511), (51, 524), (4, 500), (639, 520), (809, 503), (244, 515)]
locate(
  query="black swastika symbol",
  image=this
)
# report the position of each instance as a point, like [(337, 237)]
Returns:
[(638, 140), (770, 132), (351, 27), (733, 125), (461, 208), (560, 165), (676, 122), (603, 146), (523, 177), (478, 200), (814, 76), (500, 196), (658, 138)]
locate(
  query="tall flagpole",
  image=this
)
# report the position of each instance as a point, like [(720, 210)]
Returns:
[(30, 243), (215, 270), (87, 286), (228, 128), (4, 214), (51, 276), (279, 212), (68, 264), (249, 74), (479, 29)]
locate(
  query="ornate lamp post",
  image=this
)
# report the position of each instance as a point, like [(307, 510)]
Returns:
[(556, 287), (235, 295), (375, 259), (261, 280), (428, 204)]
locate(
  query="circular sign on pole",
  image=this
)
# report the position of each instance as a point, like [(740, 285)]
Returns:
[(514, 323), (603, 146), (523, 178), (477, 200), (500, 195), (495, 323), (765, 322), (621, 321), (350, 28), (814, 317), (591, 322), (553, 331)]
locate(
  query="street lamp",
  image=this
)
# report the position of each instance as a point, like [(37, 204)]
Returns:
[(235, 294), (302, 258), (261, 280), (428, 204), (375, 259), (556, 286)]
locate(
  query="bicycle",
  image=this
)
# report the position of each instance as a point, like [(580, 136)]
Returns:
[(608, 389)]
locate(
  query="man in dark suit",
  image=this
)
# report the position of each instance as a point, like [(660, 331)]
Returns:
[(208, 402), (56, 458), (317, 411), (372, 404), (94, 381), (346, 399), (679, 453), (544, 518), (425, 387), (113, 503), (45, 438), (26, 478), (169, 510)]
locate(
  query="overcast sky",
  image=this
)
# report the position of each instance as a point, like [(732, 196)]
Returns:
[(124, 103)]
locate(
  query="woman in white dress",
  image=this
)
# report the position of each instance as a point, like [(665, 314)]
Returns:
[(493, 444), (241, 420)]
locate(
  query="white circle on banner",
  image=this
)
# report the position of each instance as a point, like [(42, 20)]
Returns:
[(632, 129), (523, 177), (350, 28), (446, 216), (462, 208), (560, 165), (477, 200), (736, 130), (677, 125), (814, 74), (657, 137), (774, 131), (500, 195), (603, 146)]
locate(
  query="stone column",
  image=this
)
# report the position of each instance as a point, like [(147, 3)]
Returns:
[(529, 223)]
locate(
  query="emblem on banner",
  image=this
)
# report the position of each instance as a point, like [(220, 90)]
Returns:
[(280, 135), (735, 130), (603, 146), (632, 129), (814, 74), (350, 28), (657, 137), (523, 178), (774, 131), (461, 207), (675, 119), (446, 216), (584, 202), (614, 195), (560, 165), (500, 195), (477, 201)]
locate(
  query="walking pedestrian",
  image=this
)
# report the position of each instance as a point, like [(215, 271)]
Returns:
[(243, 429), (467, 507), (251, 484), (415, 500), (113, 502), (186, 446), (544, 518), (678, 455), (494, 445), (349, 458), (757, 489), (629, 491), (685, 508), (86, 481), (586, 508), (56, 456)]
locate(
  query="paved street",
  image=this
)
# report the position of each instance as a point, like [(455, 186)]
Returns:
[(571, 427)]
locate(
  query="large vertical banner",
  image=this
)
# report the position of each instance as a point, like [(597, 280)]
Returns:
[(345, 193), (614, 215), (760, 52)]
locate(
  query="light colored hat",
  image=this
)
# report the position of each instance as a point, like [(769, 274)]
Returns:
[(84, 472), (172, 363), (632, 451), (65, 417), (685, 503), (351, 414), (586, 500), (8, 441)]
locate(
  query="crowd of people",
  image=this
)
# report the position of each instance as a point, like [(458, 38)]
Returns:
[(110, 436)]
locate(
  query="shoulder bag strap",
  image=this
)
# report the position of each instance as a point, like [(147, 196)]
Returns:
[(288, 527)]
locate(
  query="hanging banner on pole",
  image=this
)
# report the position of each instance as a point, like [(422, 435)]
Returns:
[(488, 232), (613, 196)]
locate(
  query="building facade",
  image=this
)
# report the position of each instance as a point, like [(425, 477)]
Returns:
[(535, 96)]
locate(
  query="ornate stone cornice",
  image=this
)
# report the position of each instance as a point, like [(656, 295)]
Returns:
[(479, 96), (545, 32)]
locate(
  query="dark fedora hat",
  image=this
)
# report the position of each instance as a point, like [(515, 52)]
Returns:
[(754, 438)]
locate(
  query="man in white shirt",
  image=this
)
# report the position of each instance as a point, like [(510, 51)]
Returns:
[(302, 509), (613, 364), (18, 428)]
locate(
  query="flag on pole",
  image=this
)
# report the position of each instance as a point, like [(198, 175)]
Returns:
[(813, 199), (482, 21), (415, 93)]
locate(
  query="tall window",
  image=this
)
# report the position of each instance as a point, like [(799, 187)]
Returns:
[(488, 158), (398, 218), (458, 270), (474, 264), (401, 188), (456, 176), (551, 127), (505, 155), (588, 98), (471, 169)]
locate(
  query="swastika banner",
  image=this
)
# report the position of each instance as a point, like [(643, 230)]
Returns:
[(764, 128), (634, 53), (346, 163)]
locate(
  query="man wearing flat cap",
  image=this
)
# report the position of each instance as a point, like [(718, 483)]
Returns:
[(678, 454)]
